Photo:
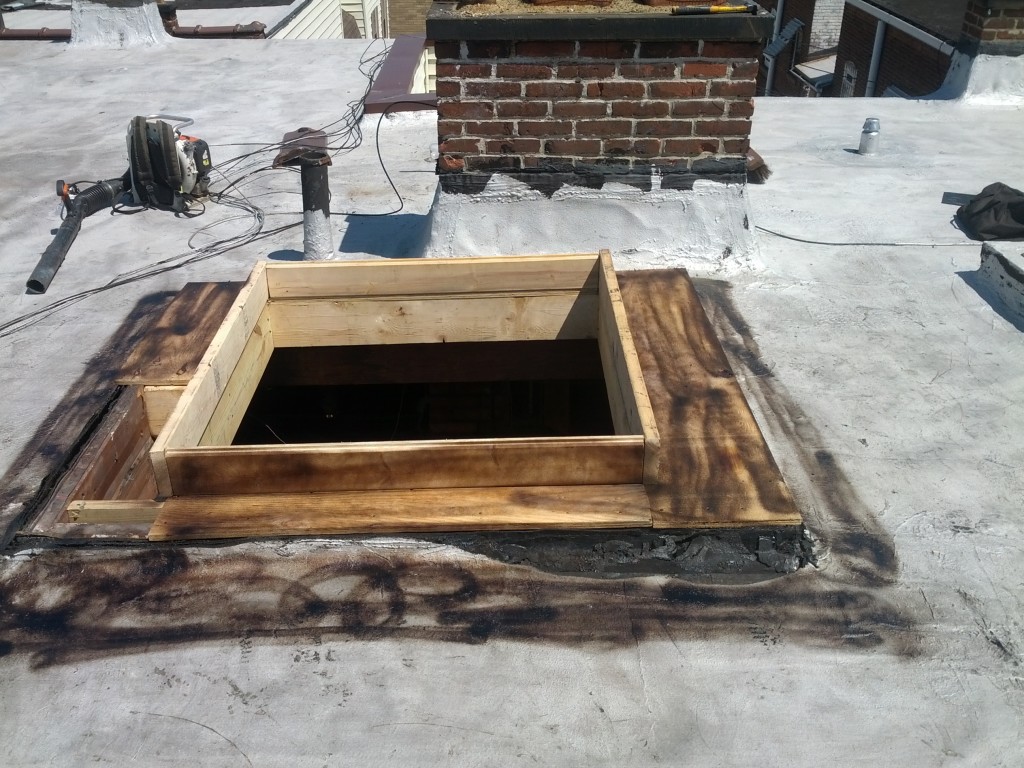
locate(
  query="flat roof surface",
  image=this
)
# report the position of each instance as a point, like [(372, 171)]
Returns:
[(224, 14), (887, 385)]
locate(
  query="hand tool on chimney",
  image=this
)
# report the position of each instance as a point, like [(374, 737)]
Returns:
[(701, 10)]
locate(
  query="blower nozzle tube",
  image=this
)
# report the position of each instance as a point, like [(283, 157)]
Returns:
[(95, 198)]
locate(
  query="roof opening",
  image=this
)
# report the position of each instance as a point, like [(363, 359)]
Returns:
[(429, 391)]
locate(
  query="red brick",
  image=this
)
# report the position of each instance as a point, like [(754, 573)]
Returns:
[(674, 89), (585, 71), (745, 70), (735, 146), (446, 49), (741, 108), (603, 127), (573, 147), (488, 49), (664, 128), (714, 49), (698, 108), (607, 49), (615, 90), (511, 146), (733, 89), (493, 163), (722, 128), (545, 48), (705, 69), (464, 110), (489, 128), (689, 147), (448, 128), (616, 146), (452, 69), (493, 89), (639, 109), (677, 50), (460, 145), (449, 164), (548, 163), (521, 108), (447, 88), (525, 71), (579, 109), (662, 70), (544, 128), (554, 90), (635, 148), (666, 162)]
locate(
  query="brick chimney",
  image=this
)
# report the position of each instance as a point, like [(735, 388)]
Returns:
[(585, 97), (994, 27)]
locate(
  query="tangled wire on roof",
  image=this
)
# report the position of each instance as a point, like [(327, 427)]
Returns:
[(344, 135)]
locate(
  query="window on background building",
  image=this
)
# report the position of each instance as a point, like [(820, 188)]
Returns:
[(849, 79)]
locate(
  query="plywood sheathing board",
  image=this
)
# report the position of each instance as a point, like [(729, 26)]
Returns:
[(173, 346), (417, 301), (167, 356), (716, 468)]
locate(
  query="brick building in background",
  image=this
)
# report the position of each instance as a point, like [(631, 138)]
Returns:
[(906, 47), (798, 61), (407, 17), (897, 47)]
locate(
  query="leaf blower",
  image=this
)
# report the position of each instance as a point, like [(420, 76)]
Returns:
[(166, 170)]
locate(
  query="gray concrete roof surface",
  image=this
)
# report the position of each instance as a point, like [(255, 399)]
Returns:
[(887, 385), (60, 18)]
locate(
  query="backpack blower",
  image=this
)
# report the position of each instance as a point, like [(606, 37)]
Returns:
[(166, 170)]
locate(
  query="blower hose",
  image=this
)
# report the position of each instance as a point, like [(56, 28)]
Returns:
[(87, 202)]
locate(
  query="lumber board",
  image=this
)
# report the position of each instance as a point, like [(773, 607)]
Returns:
[(434, 363), (240, 388), (159, 401), (99, 461), (433, 319), (401, 511), (114, 450), (716, 468), (173, 346), (627, 394), (413, 464), (113, 511), (489, 274), (191, 416), (136, 479)]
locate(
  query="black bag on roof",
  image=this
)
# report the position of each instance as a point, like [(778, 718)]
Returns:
[(995, 213)]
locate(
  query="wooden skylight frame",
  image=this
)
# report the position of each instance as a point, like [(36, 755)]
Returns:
[(518, 298)]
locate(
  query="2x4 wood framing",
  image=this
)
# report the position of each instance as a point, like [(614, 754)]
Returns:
[(429, 301)]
